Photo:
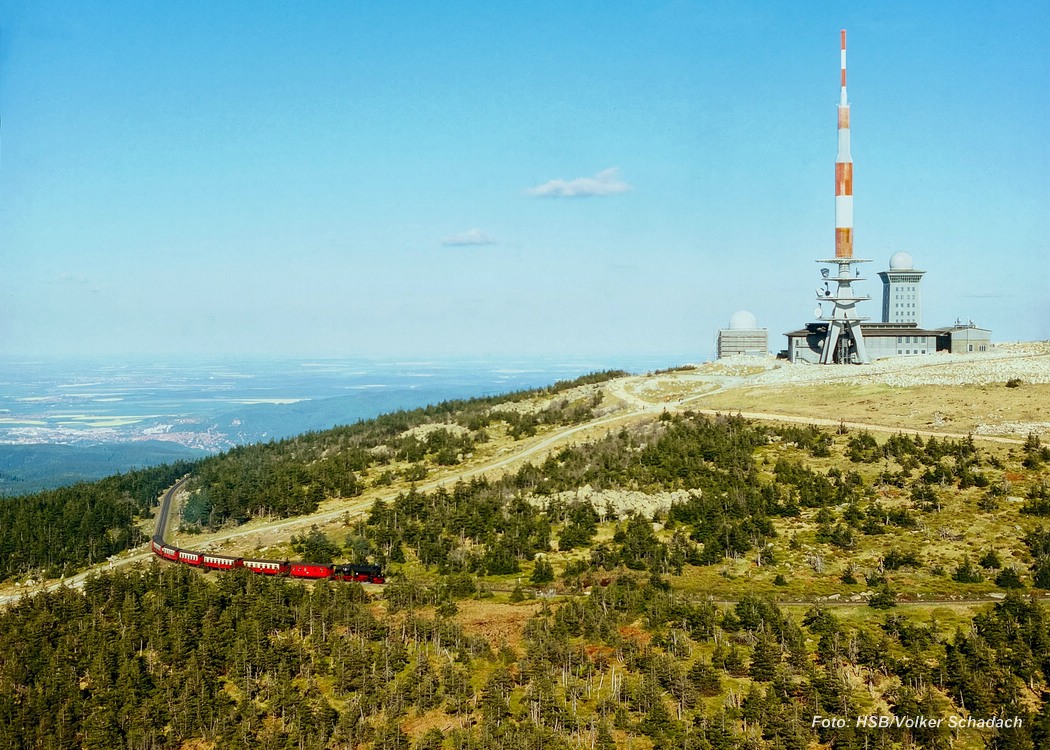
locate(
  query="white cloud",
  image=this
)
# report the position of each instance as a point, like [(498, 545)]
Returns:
[(470, 237), (606, 182)]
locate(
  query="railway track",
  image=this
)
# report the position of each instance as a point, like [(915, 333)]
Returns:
[(634, 407)]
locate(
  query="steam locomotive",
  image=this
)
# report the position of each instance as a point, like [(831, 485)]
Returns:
[(343, 572)]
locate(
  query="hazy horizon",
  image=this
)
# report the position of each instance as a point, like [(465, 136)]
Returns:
[(67, 420)]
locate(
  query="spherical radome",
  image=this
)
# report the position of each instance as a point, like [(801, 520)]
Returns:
[(742, 319), (901, 261)]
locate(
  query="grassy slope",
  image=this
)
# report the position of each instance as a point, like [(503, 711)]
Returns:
[(948, 408)]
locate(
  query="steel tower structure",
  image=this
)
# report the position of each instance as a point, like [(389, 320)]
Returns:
[(844, 342)]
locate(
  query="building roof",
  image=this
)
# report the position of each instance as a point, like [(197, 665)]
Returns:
[(960, 329), (876, 329), (902, 261), (891, 329), (743, 320), (897, 329)]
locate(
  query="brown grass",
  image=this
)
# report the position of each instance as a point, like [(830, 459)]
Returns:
[(954, 409), (497, 622), (636, 634), (418, 725)]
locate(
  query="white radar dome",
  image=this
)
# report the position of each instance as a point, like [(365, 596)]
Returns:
[(742, 319), (901, 261)]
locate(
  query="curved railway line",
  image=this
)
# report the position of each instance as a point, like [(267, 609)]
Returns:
[(633, 406), (211, 561)]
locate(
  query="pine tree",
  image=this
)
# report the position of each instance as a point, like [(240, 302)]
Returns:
[(765, 657), (603, 739), (704, 678), (543, 572)]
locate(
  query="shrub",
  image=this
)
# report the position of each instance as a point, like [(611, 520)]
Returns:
[(1008, 579), (542, 573), (895, 559), (884, 598), (967, 573), (991, 560)]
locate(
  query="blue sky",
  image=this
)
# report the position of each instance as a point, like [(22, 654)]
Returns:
[(352, 178)]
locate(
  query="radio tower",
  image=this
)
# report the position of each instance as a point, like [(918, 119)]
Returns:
[(844, 342)]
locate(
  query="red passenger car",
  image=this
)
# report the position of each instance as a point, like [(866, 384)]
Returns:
[(222, 562), (190, 558), (266, 567), (160, 549), (169, 553), (310, 570)]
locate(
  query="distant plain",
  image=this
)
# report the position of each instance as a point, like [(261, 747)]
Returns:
[(63, 421)]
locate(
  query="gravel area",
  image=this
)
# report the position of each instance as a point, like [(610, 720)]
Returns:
[(975, 399), (1029, 361)]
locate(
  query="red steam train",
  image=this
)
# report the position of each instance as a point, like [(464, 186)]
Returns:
[(343, 572)]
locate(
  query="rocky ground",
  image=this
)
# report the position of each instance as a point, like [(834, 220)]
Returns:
[(1029, 361), (954, 393)]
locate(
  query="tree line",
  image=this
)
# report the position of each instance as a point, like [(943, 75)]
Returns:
[(159, 657), (58, 532), (292, 476)]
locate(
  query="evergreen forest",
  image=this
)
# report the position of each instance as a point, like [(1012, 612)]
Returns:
[(791, 577)]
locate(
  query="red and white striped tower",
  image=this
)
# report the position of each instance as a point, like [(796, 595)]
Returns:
[(844, 341), (843, 173)]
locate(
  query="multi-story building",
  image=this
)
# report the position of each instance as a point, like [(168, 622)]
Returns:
[(902, 291)]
